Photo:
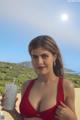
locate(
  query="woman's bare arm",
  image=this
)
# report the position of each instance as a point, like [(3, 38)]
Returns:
[(70, 96), (66, 110)]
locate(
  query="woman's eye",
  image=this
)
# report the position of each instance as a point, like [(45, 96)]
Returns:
[(44, 56)]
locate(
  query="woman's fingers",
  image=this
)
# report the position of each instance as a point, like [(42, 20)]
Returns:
[(2, 99), (59, 111), (15, 102), (16, 99)]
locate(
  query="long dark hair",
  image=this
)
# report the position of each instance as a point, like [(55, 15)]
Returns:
[(49, 44)]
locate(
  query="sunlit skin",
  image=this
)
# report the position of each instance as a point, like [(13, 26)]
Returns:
[(42, 61)]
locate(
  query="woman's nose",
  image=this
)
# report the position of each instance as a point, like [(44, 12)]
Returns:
[(40, 60)]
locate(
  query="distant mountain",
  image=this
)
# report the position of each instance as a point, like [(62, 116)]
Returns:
[(26, 64), (66, 70)]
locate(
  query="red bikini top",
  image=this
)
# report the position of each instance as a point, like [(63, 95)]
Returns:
[(27, 110)]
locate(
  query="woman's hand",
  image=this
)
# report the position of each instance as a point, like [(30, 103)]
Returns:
[(2, 99), (63, 112), (12, 112), (2, 102)]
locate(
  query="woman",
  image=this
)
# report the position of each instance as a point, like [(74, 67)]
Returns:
[(49, 96)]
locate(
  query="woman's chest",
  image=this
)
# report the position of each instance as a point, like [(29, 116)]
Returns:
[(43, 98)]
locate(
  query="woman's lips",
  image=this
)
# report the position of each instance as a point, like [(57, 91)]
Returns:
[(41, 67)]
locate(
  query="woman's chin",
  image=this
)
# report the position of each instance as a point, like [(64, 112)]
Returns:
[(42, 73)]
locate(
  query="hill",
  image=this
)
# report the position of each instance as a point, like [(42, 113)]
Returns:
[(26, 64), (21, 72), (11, 71)]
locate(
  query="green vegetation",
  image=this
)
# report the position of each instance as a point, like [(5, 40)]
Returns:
[(11, 71), (74, 78)]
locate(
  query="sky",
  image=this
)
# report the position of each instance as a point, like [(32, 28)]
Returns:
[(22, 20)]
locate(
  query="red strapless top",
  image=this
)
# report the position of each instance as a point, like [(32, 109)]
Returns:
[(27, 110)]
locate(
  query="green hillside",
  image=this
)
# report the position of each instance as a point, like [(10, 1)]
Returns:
[(11, 71)]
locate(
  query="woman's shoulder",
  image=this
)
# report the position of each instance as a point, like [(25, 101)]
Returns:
[(68, 87), (68, 84)]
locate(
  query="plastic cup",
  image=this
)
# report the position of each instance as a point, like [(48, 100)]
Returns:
[(10, 96)]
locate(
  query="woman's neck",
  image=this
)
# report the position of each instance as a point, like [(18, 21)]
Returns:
[(47, 78)]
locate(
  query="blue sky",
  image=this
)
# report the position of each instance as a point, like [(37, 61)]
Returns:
[(22, 20)]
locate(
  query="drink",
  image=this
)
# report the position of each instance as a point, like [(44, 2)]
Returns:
[(2, 116), (10, 96)]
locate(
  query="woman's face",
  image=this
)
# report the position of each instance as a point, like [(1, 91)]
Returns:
[(42, 60)]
